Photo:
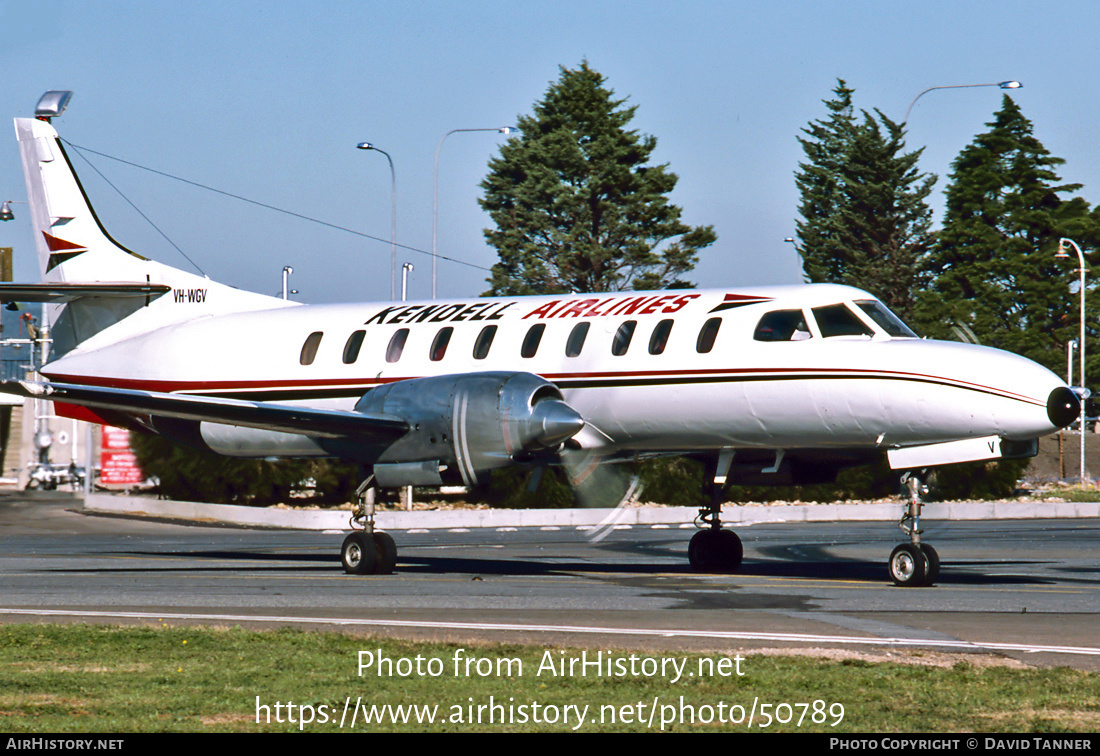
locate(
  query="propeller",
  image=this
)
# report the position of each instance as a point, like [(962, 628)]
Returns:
[(598, 482)]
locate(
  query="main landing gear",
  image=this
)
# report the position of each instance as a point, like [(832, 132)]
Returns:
[(714, 549), (367, 551), (913, 563)]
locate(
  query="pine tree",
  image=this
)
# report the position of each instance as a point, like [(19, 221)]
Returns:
[(993, 263), (827, 144), (576, 204), (865, 222)]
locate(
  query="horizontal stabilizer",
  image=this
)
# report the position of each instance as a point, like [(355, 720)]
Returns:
[(59, 293), (318, 423)]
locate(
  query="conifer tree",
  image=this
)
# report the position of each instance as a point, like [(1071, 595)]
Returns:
[(865, 221), (993, 264), (576, 204), (820, 185)]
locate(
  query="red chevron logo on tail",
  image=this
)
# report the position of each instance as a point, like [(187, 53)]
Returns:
[(61, 250)]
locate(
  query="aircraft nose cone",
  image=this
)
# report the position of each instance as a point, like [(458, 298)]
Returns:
[(1063, 407), (554, 422)]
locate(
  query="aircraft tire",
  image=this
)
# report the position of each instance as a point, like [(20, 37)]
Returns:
[(359, 555), (908, 565), (715, 551), (386, 550), (932, 566)]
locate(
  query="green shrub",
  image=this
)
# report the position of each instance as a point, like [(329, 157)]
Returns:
[(189, 474)]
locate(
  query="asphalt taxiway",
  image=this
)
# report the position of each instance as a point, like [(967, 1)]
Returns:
[(1024, 589)]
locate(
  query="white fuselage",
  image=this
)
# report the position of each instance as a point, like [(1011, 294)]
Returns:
[(869, 391)]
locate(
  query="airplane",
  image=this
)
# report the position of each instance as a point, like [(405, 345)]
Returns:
[(784, 384)]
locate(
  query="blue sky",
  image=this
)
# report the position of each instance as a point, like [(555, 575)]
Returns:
[(268, 99)]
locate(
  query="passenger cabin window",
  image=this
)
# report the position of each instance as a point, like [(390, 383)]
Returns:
[(352, 347), (623, 337), (309, 349), (707, 334), (782, 325), (396, 345), (885, 319), (532, 339), (659, 340), (838, 320), (577, 336), (484, 341), (440, 342)]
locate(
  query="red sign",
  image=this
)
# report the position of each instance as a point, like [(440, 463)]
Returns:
[(118, 463)]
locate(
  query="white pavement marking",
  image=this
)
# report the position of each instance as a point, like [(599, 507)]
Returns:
[(955, 645)]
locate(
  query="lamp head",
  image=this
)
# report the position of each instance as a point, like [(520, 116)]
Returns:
[(52, 104)]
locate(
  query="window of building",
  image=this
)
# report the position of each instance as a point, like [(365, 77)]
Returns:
[(396, 345), (707, 334), (440, 342), (309, 349), (623, 337), (532, 339), (352, 347), (659, 340), (577, 336)]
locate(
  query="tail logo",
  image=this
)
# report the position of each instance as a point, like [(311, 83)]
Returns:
[(61, 250)]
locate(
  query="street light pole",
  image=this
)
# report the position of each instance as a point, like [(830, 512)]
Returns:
[(287, 270), (1062, 244), (393, 219), (435, 191), (1002, 85), (405, 270)]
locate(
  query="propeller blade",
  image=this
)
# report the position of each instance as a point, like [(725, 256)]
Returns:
[(599, 484)]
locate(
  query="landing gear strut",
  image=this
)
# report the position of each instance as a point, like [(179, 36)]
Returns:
[(714, 549), (366, 551), (913, 563)]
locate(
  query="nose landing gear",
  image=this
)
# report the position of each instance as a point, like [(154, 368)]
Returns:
[(914, 563)]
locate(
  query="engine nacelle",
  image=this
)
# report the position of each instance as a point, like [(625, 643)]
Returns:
[(467, 424)]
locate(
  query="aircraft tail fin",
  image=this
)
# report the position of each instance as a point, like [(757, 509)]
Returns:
[(73, 247), (66, 228)]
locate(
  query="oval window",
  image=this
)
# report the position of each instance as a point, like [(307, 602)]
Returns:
[(623, 337), (707, 334), (396, 345), (659, 340), (484, 341), (352, 347), (532, 339), (577, 336), (439, 344), (309, 349)]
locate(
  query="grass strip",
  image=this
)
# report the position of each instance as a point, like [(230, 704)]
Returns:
[(94, 678)]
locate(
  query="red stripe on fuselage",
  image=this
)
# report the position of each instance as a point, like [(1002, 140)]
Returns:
[(707, 375)]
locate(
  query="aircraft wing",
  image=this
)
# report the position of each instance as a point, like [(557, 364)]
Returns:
[(59, 293), (264, 415)]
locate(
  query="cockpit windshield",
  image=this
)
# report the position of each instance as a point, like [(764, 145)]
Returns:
[(782, 325), (838, 320), (885, 319), (834, 320)]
